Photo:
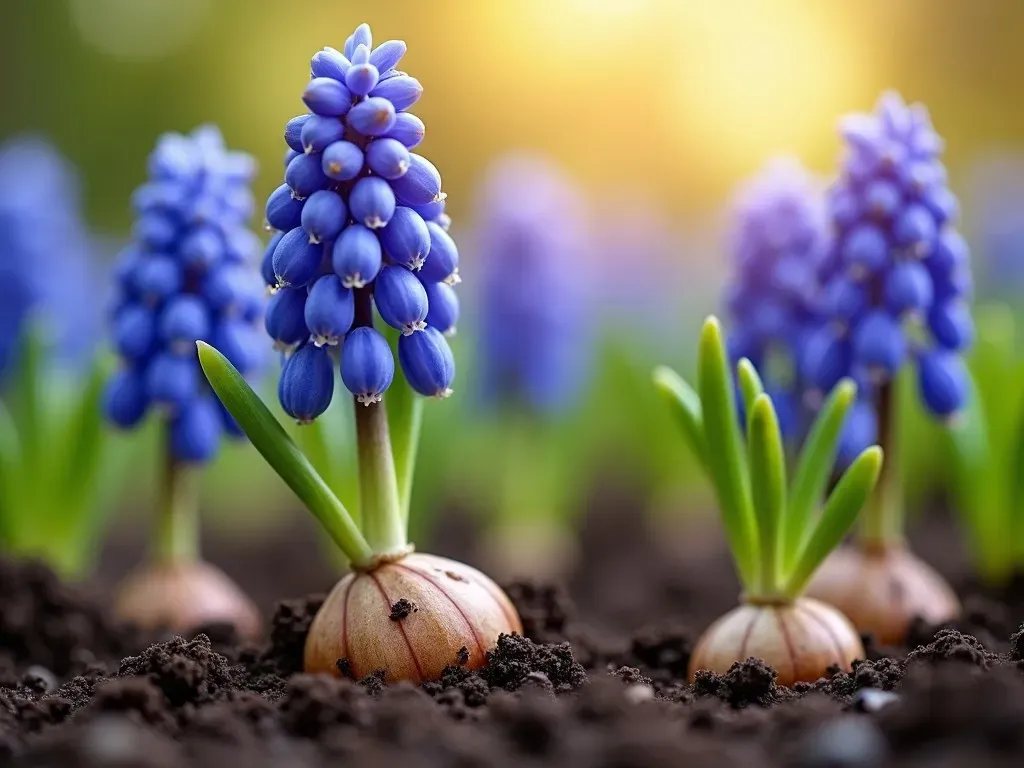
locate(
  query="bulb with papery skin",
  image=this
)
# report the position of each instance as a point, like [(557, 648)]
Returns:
[(449, 614), (800, 640)]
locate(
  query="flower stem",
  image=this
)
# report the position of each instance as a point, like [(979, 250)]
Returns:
[(382, 517), (176, 537), (882, 524)]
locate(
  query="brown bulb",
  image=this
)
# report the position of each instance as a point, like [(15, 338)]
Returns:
[(883, 589), (410, 619), (184, 595), (800, 640)]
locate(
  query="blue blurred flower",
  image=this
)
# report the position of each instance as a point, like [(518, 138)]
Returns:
[(359, 216), (779, 243), (898, 272), (46, 253), (535, 328), (189, 275)]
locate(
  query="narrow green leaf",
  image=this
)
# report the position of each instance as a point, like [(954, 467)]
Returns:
[(726, 457), (27, 391), (814, 467), (281, 453), (11, 473), (839, 515), (686, 408), (768, 485), (405, 420), (85, 445), (750, 384)]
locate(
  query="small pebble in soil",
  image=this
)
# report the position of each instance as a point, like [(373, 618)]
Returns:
[(844, 742), (401, 609), (873, 699)]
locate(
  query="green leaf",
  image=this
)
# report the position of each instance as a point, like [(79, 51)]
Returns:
[(768, 485), (686, 408), (726, 457), (750, 384), (839, 515), (84, 453), (274, 444), (11, 472), (814, 467), (405, 420)]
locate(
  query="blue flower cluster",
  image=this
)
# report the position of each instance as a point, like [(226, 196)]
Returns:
[(188, 275), (45, 253), (779, 245), (359, 215), (534, 342), (897, 279)]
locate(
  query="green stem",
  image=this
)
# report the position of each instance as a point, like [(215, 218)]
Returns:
[(176, 537), (882, 524), (405, 420), (382, 518)]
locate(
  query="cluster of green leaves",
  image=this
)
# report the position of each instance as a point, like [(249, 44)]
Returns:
[(987, 441), (54, 462), (776, 537)]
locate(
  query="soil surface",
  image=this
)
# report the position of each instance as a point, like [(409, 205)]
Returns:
[(598, 679)]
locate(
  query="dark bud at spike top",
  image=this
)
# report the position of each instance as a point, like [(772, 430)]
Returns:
[(942, 379), (356, 256), (296, 259), (401, 299), (329, 311), (406, 238), (427, 362), (367, 366), (307, 383)]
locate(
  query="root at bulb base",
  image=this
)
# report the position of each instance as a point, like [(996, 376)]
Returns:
[(882, 590), (800, 640), (184, 595), (441, 607)]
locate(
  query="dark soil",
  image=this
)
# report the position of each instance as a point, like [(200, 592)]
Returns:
[(598, 680)]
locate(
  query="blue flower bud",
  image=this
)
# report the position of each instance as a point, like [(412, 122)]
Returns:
[(860, 432), (307, 383), (156, 230), (401, 299), (372, 117), (289, 155), (224, 288), (914, 227), (156, 277), (183, 320), (388, 158), (285, 319), (427, 362), (202, 247), (882, 199), (362, 36), (284, 210), (387, 55), (879, 344), (330, 309), (420, 185), (444, 307), (408, 129), (296, 260), (844, 208), (293, 131), (406, 238), (125, 401), (372, 202), (951, 324), (442, 264), (367, 365), (958, 284), (356, 256), (908, 288), (318, 132), (267, 263), (402, 91), (949, 252), (324, 215), (844, 299), (327, 97), (134, 332), (239, 342), (329, 63), (362, 78), (305, 175), (173, 158), (866, 250), (172, 381), (942, 380), (825, 359), (360, 56), (432, 212), (196, 431), (241, 245), (342, 161), (942, 204)]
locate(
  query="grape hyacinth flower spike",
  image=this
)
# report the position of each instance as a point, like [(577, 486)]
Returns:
[(897, 286), (189, 275), (361, 225), (778, 247), (779, 531)]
